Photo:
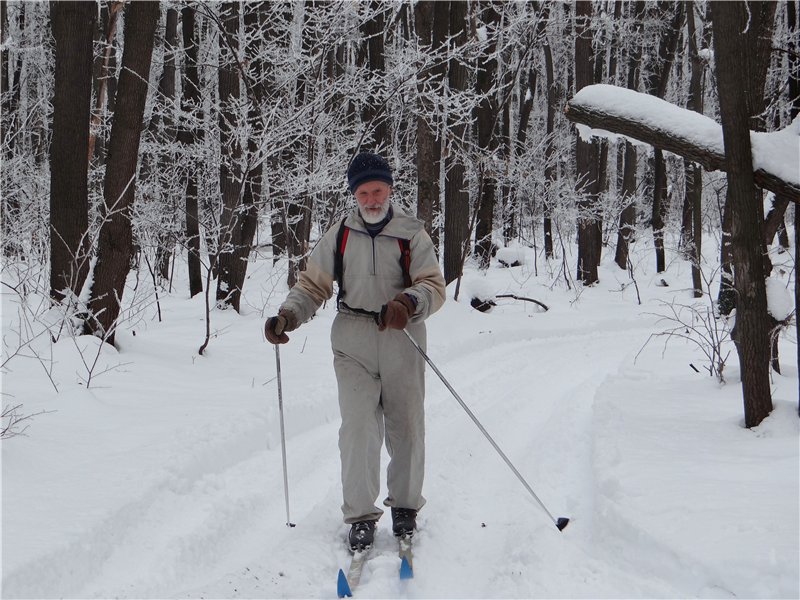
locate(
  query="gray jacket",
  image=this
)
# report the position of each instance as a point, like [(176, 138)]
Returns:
[(372, 271)]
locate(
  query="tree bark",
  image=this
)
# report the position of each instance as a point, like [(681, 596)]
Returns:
[(656, 85), (525, 112), (4, 70), (432, 27), (755, 62), (692, 226), (115, 247), (105, 73), (627, 218), (774, 218), (589, 225), (247, 220), (375, 60), (189, 133), (794, 92), (752, 331), (300, 207), (456, 209), (10, 204), (73, 26), (659, 200), (163, 129), (487, 141), (551, 166), (230, 168)]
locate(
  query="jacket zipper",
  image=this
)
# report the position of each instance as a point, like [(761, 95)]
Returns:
[(374, 258)]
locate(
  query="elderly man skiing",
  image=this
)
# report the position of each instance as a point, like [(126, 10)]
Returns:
[(389, 280)]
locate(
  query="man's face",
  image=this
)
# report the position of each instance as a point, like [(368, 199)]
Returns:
[(373, 200)]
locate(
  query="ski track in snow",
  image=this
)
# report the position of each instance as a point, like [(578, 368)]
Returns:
[(460, 524), (545, 392)]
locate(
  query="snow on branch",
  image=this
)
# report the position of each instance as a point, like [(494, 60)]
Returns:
[(608, 109)]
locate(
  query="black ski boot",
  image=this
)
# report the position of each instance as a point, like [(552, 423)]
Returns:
[(362, 535), (404, 521)]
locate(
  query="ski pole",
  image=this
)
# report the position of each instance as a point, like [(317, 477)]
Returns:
[(283, 435), (561, 522)]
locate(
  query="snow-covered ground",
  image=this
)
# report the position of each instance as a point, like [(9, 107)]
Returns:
[(163, 479)]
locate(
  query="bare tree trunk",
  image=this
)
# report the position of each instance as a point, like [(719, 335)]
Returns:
[(659, 200), (627, 218), (774, 219), (590, 231), (797, 292), (432, 27), (164, 131), (375, 60), (4, 73), (487, 140), (116, 244), (456, 209), (247, 220), (755, 62), (300, 208), (188, 134), (278, 21), (105, 72), (692, 227), (522, 136), (230, 168), (657, 85), (550, 168), (509, 200), (73, 26), (13, 81), (792, 15), (10, 203), (752, 331)]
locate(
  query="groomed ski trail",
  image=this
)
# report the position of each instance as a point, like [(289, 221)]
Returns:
[(542, 425)]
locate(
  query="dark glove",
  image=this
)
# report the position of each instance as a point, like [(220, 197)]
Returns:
[(276, 327), (395, 313)]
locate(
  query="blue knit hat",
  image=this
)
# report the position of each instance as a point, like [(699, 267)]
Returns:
[(368, 167)]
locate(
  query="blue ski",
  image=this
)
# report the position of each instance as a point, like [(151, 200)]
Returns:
[(347, 583), (406, 557)]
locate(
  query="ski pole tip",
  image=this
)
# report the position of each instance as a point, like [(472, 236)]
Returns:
[(561, 523)]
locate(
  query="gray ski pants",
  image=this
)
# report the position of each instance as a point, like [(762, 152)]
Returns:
[(381, 379)]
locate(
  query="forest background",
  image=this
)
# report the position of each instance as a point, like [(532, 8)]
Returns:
[(147, 137)]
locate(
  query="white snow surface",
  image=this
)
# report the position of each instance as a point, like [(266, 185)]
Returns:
[(780, 303), (163, 479), (775, 152)]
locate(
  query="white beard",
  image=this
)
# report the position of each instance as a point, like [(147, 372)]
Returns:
[(373, 216)]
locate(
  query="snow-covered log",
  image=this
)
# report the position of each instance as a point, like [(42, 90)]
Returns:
[(611, 109)]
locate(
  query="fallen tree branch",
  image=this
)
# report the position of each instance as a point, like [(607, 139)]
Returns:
[(544, 306), (638, 126)]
